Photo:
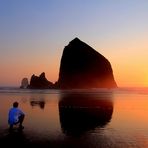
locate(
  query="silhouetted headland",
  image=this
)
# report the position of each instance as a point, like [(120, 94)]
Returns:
[(81, 67)]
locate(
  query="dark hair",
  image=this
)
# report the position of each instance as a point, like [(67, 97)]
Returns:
[(15, 104)]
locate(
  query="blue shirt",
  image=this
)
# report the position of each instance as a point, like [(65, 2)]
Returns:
[(13, 116)]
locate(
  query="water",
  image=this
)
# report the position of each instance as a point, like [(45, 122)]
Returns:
[(95, 118)]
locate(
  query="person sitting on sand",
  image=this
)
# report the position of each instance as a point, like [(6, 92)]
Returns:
[(15, 116)]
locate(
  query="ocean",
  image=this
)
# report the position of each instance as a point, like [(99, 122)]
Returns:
[(89, 118)]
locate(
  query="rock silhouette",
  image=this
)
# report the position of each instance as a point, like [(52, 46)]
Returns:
[(81, 112), (41, 104), (24, 83), (40, 82), (83, 67)]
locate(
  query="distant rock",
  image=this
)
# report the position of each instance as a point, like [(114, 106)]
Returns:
[(83, 67), (24, 83), (40, 82), (41, 104)]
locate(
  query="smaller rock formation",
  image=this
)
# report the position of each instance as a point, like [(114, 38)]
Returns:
[(40, 82), (24, 83)]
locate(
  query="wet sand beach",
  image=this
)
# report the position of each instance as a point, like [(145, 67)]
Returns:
[(93, 118)]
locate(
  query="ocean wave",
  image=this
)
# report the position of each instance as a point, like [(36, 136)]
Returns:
[(19, 90), (120, 90)]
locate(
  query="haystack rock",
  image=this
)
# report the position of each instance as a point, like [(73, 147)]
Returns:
[(83, 67), (40, 82), (24, 83)]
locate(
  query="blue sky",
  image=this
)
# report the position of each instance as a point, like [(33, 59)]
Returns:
[(33, 34)]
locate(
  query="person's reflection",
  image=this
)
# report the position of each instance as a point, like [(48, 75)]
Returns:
[(37, 102), (82, 112)]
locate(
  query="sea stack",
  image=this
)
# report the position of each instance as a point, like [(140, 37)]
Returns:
[(83, 67), (40, 82), (24, 83)]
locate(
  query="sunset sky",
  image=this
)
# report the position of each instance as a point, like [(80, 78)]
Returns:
[(33, 34)]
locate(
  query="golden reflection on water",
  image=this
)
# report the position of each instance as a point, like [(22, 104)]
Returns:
[(104, 119), (130, 111), (39, 118)]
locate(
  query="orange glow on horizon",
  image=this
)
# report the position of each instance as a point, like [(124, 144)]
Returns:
[(129, 70)]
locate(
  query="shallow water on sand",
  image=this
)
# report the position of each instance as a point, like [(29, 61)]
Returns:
[(94, 118)]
